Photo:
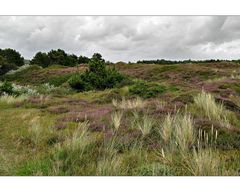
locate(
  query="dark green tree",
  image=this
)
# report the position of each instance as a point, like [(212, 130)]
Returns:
[(83, 60), (5, 66), (98, 56), (40, 59), (57, 57), (71, 60), (12, 56)]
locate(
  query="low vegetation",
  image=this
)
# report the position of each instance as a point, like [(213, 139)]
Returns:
[(69, 115)]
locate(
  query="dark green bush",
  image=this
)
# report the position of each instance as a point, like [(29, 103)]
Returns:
[(76, 82), (146, 90), (7, 88), (98, 76)]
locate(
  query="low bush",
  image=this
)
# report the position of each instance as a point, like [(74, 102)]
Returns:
[(98, 76), (7, 88), (147, 90), (76, 82)]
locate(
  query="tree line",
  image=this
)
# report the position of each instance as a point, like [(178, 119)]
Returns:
[(11, 59), (164, 61), (58, 57)]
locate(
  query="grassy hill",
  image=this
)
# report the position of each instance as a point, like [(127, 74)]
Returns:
[(181, 119)]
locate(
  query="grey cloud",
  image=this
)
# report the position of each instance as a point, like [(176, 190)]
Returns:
[(125, 37)]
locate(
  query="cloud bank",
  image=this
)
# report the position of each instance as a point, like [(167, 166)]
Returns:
[(126, 38)]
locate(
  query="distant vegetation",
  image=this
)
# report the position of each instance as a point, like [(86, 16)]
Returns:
[(57, 57), (164, 62), (10, 60)]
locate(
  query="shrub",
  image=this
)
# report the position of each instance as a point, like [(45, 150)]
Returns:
[(147, 90), (98, 76), (76, 82), (7, 88), (19, 90)]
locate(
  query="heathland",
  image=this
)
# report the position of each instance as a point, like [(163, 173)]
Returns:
[(103, 118)]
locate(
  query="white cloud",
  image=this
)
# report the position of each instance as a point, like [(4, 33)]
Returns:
[(125, 37)]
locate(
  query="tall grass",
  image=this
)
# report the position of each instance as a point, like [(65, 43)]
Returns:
[(145, 124), (69, 154), (116, 119), (35, 130), (109, 165), (184, 132), (9, 99), (178, 131), (79, 137), (206, 104), (207, 139), (204, 163), (167, 127), (129, 104)]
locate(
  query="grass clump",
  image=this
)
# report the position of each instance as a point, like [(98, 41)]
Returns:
[(116, 119), (204, 163), (110, 165), (184, 132), (136, 103), (167, 127), (178, 131), (144, 124), (206, 103), (68, 155)]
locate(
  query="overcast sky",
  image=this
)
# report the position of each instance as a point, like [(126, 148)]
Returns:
[(125, 38)]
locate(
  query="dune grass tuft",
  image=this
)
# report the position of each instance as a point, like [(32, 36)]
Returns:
[(116, 119), (128, 104), (206, 104), (178, 130)]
